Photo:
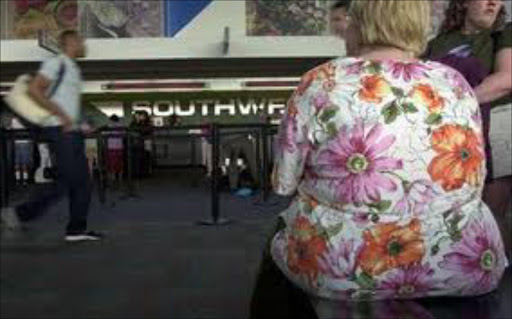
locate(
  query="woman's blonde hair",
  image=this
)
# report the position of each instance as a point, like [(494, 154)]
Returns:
[(398, 23)]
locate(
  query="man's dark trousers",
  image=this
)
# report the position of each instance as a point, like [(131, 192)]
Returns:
[(72, 179)]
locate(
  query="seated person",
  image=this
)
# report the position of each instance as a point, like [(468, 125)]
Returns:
[(384, 154), (235, 147)]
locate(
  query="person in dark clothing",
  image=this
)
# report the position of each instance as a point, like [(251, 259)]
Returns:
[(141, 157)]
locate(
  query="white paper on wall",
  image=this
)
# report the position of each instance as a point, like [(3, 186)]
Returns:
[(501, 140)]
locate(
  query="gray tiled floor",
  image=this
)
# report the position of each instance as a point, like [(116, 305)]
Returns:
[(156, 263)]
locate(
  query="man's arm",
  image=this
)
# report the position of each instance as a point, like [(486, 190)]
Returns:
[(37, 91), (498, 84)]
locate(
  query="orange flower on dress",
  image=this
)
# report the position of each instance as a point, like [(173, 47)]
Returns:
[(306, 82), (305, 246), (374, 88), (426, 95), (459, 158), (391, 246), (292, 107), (324, 72)]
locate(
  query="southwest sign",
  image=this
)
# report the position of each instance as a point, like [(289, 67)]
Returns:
[(208, 108)]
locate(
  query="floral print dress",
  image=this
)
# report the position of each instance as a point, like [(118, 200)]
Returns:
[(386, 159)]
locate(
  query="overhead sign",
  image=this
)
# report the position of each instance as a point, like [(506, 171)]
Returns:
[(208, 108), (195, 107)]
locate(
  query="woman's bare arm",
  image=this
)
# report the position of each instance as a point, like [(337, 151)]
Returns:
[(498, 84)]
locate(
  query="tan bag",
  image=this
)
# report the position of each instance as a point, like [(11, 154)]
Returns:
[(19, 101)]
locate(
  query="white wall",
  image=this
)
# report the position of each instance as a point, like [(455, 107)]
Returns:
[(508, 5), (200, 39)]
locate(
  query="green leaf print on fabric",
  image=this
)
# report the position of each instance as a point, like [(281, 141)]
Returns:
[(328, 113), (409, 108), (332, 130), (366, 281), (334, 230), (381, 206), (453, 228), (390, 112), (374, 68), (308, 209), (434, 119), (434, 250), (398, 92)]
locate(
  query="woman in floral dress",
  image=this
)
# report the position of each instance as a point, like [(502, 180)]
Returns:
[(385, 156)]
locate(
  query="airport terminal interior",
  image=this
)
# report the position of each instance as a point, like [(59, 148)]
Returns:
[(185, 109)]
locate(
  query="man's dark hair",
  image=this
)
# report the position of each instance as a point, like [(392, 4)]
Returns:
[(114, 118), (341, 4), (65, 35)]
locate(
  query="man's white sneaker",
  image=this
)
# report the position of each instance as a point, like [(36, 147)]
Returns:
[(10, 218), (85, 236)]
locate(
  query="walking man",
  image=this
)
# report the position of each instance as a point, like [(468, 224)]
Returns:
[(57, 88)]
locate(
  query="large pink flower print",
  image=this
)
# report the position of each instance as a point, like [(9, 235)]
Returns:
[(340, 262), (354, 68), (407, 71), (412, 281), (355, 164), (477, 260), (417, 197), (459, 84)]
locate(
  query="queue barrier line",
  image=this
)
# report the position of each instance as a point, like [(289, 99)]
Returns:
[(262, 132)]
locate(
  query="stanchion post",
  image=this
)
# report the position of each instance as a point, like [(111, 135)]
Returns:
[(264, 140), (129, 161), (11, 159), (215, 173), (129, 164), (100, 140), (265, 199), (214, 186), (259, 160), (4, 187)]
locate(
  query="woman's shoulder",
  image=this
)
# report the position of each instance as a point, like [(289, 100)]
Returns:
[(333, 65), (358, 66), (437, 66), (444, 75)]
